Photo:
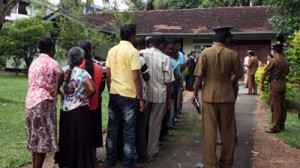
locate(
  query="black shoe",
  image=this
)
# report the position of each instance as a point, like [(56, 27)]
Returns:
[(272, 131)]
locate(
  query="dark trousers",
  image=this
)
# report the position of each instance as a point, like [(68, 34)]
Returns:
[(121, 109), (141, 140)]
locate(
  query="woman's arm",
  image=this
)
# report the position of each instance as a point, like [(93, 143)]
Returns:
[(59, 74), (91, 88)]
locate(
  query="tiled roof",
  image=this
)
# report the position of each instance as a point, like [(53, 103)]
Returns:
[(195, 21)]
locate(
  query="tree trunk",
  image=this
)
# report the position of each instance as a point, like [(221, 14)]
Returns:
[(5, 8)]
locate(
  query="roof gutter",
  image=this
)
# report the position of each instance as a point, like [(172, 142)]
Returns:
[(208, 34)]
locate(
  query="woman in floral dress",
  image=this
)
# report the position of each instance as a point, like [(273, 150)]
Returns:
[(45, 77)]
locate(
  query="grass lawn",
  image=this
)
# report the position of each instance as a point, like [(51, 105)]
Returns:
[(291, 135), (12, 120)]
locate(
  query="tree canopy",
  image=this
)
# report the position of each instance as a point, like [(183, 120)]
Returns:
[(19, 40)]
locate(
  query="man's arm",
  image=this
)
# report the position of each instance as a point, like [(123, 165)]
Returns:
[(197, 86), (146, 76), (270, 66), (138, 88)]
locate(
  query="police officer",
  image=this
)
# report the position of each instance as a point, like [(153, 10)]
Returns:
[(215, 67), (252, 67), (277, 70)]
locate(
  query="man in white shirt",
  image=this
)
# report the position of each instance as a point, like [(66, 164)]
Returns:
[(157, 91), (246, 60)]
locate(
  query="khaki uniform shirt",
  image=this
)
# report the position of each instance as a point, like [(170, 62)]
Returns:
[(216, 65), (253, 62), (278, 68)]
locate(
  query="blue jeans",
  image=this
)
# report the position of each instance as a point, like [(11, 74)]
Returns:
[(121, 109)]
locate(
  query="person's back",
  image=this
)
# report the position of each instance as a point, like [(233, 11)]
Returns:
[(219, 68), (281, 68), (219, 63), (157, 62), (254, 65), (118, 61), (125, 88)]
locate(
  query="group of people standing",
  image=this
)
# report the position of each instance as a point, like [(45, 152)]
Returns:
[(144, 80), (80, 125)]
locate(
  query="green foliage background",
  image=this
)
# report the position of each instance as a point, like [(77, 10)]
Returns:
[(19, 39)]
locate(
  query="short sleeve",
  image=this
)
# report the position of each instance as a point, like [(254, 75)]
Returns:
[(52, 64), (85, 75), (107, 62), (144, 67), (270, 66), (135, 60), (199, 70), (168, 71), (237, 67)]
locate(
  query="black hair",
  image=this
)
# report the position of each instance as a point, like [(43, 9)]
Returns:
[(222, 37), (75, 56), (87, 48), (139, 43), (127, 30), (251, 53), (46, 44), (175, 40), (158, 40)]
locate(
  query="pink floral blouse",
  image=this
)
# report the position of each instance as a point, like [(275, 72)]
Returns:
[(41, 80)]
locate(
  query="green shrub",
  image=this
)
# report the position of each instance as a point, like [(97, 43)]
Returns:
[(258, 75)]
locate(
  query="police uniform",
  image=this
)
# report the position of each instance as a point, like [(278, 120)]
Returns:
[(216, 65), (278, 69), (252, 67)]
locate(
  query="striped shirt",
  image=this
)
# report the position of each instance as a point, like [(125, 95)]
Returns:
[(161, 72)]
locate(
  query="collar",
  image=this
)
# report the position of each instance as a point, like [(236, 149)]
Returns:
[(219, 44), (125, 42)]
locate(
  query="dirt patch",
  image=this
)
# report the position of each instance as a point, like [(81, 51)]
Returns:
[(268, 150)]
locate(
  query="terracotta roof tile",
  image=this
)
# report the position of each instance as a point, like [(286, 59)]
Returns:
[(195, 21)]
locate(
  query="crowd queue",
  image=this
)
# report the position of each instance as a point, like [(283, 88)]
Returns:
[(145, 82)]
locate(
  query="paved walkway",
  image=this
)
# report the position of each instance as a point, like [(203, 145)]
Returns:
[(184, 149)]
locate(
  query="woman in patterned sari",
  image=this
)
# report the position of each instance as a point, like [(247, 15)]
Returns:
[(45, 77)]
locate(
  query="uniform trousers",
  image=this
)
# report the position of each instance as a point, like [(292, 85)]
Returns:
[(246, 79), (157, 112), (278, 105), (222, 115), (252, 86)]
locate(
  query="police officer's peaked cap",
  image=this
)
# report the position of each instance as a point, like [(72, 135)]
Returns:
[(222, 29), (277, 47)]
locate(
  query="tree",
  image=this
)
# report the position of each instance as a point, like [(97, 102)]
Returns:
[(165, 4), (287, 20), (72, 28), (19, 40), (5, 7)]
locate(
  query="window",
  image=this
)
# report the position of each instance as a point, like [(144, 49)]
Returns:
[(199, 47)]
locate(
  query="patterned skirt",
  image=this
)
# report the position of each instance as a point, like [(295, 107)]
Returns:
[(41, 127)]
